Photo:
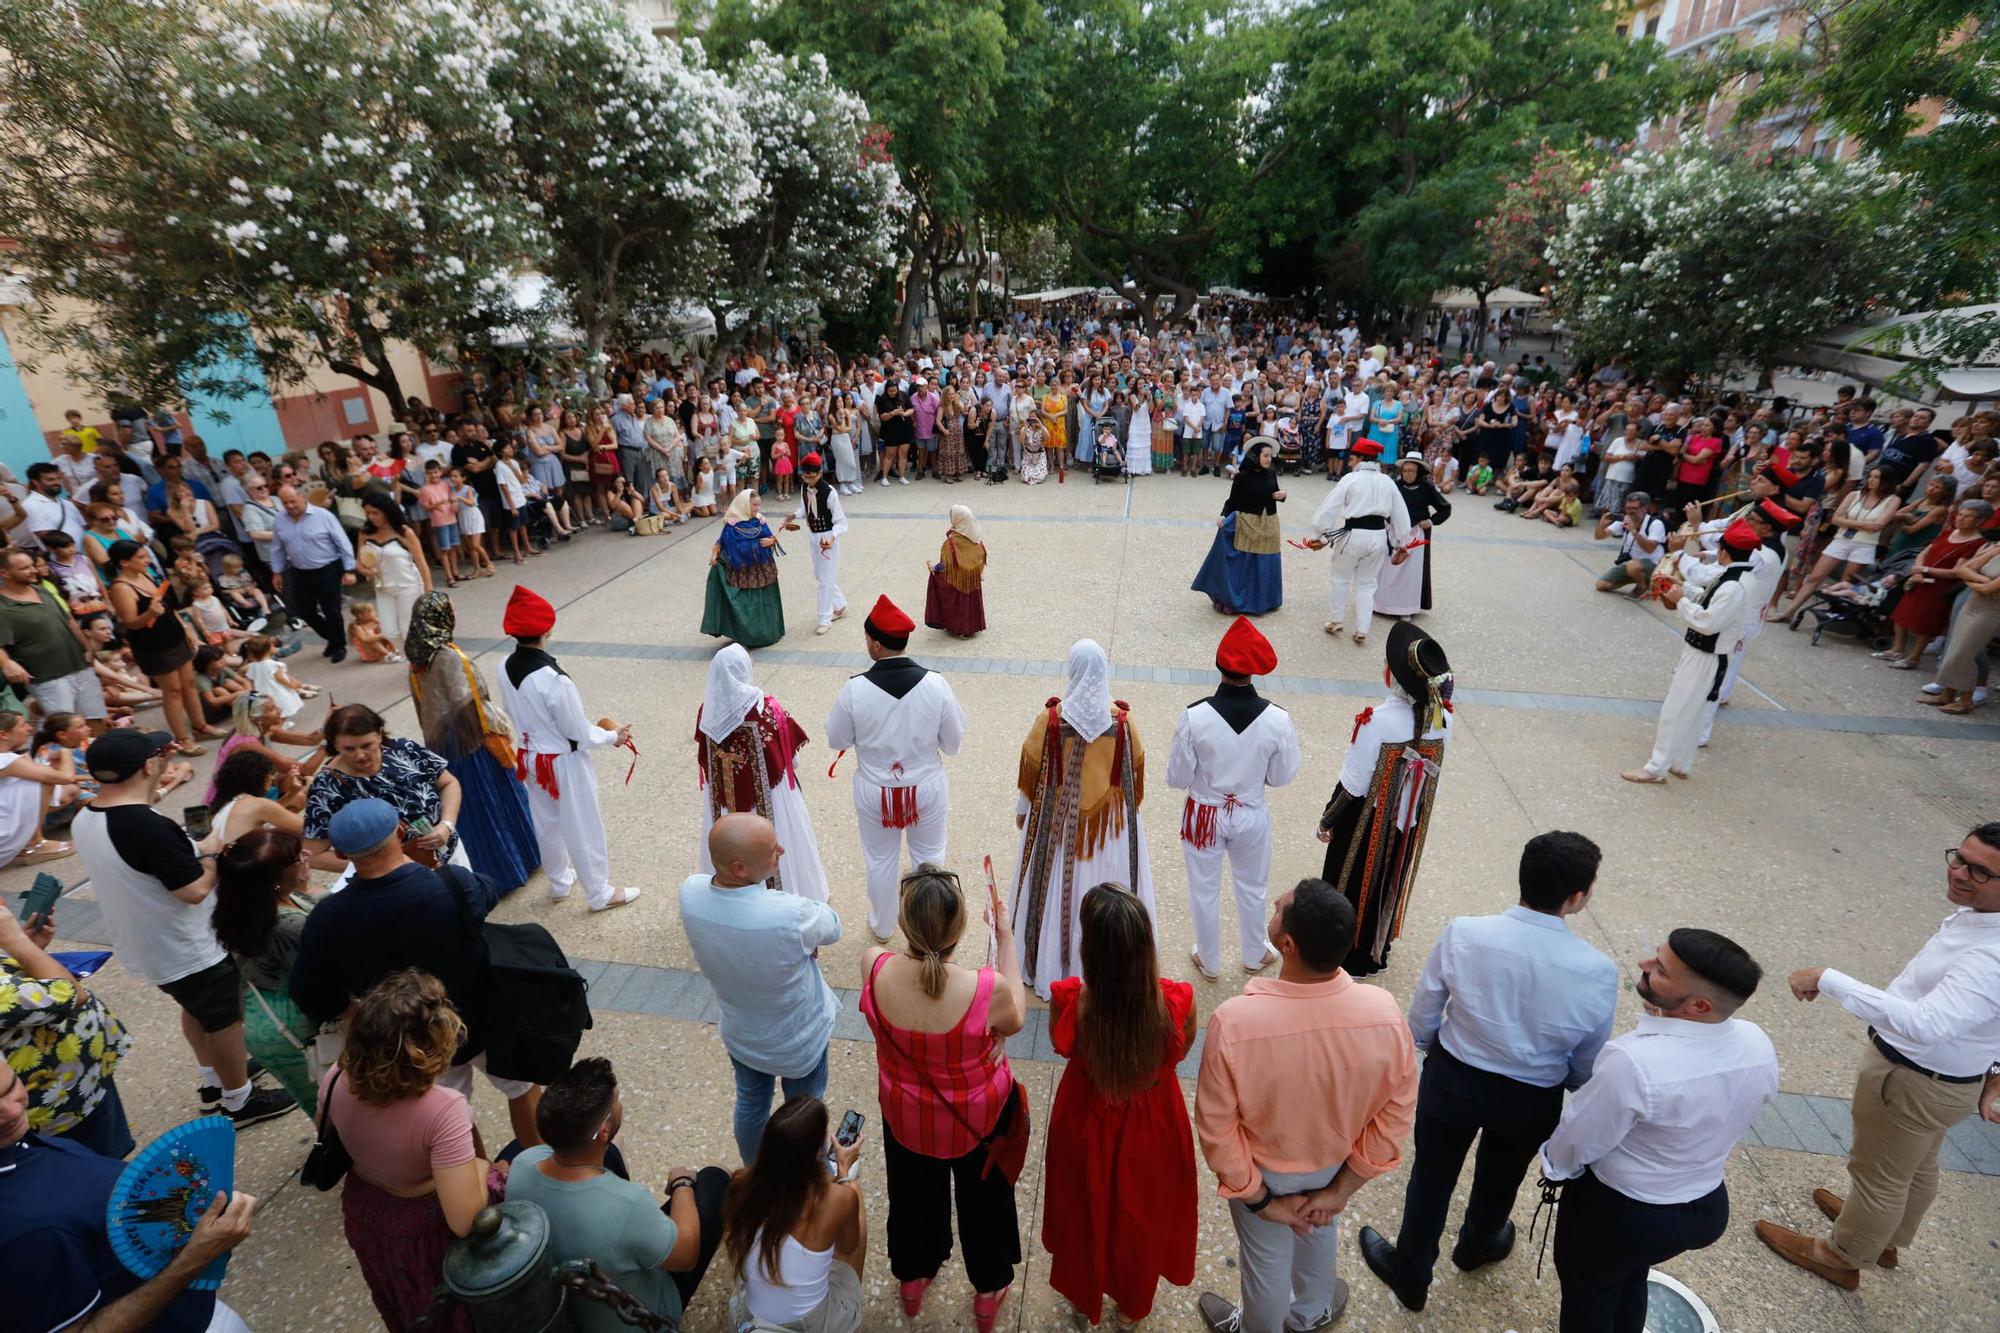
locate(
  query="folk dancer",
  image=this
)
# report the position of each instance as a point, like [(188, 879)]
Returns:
[(820, 510), (1714, 618), (1374, 823), (900, 719), (1227, 749), (1363, 519), (552, 737), (1767, 568), (746, 752)]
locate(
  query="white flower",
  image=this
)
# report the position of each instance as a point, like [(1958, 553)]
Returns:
[(336, 244)]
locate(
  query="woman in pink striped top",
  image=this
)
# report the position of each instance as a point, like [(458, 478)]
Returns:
[(940, 1035)]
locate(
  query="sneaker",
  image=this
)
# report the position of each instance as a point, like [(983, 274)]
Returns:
[(1978, 695), (885, 481), (264, 1104), (1933, 688), (906, 481), (211, 1100)]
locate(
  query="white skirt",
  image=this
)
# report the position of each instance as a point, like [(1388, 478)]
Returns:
[(1111, 864), (799, 869), (1399, 589)]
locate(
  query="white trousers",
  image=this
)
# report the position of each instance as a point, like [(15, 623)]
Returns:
[(1357, 563), (570, 831), (1683, 711), (1243, 834), (826, 573), (392, 609), (882, 848), (1729, 676)]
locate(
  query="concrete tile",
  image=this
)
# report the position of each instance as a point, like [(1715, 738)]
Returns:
[(1805, 1123), (1980, 1142)]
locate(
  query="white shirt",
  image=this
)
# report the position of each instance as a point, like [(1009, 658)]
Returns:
[(50, 514), (1943, 1009), (1216, 765), (1517, 995), (1393, 719), (1664, 1106), (548, 715), (897, 742), (1621, 459), (1364, 492), (1728, 610), (833, 508), (1651, 529)]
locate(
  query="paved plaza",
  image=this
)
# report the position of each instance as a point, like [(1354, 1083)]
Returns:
[(1812, 831)]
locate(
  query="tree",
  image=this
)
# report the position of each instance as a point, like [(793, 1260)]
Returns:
[(1533, 209), (1696, 263), (832, 208), (199, 187), (634, 153)]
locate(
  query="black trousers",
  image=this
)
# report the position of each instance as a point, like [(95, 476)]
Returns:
[(314, 596), (711, 1187), (1605, 1242), (920, 1208), (1456, 1102)]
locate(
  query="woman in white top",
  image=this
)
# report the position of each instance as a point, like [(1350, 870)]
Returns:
[(393, 560), (797, 1239), (25, 788), (1139, 436), (1858, 526)]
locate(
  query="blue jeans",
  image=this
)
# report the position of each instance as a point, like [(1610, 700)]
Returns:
[(753, 1100)]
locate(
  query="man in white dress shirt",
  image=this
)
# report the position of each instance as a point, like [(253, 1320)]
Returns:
[(1227, 748), (1363, 519), (1934, 1040), (820, 510), (1713, 606), (1510, 1010), (552, 736), (1642, 1146), (900, 720)]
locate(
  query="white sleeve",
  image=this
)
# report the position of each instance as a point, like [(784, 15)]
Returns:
[(1180, 755), (839, 514), (1959, 1005), (951, 726), (1328, 516), (565, 705), (1722, 609), (1598, 1117), (1399, 522), (1285, 756), (840, 722)]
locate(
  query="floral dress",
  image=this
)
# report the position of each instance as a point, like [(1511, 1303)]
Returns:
[(61, 1042), (1312, 441), (951, 458)]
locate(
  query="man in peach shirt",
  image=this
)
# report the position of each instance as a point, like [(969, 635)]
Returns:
[(1308, 1088)]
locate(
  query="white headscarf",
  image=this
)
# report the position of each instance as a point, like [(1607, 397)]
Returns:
[(739, 508), (730, 696), (964, 524), (1086, 703)]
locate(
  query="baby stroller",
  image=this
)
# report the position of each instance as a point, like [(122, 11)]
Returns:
[(1107, 461), (1861, 610), (1290, 456)]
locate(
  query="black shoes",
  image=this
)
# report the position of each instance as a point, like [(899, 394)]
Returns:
[(264, 1104), (1380, 1256), (1468, 1257)]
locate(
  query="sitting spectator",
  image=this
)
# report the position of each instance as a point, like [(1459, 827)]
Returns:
[(1961, 678), (27, 789), (268, 675), (219, 684), (60, 1039), (125, 687), (656, 1252), (365, 636), (418, 1179), (261, 901), (241, 593), (59, 743), (1642, 538), (797, 1240)]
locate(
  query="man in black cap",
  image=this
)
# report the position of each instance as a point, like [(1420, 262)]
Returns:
[(155, 886)]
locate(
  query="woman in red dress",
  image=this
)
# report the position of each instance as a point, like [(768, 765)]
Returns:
[(957, 600), (1925, 608), (1119, 1176)]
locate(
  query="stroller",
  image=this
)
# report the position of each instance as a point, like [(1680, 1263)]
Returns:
[(1107, 461), (1291, 457), (1861, 610)]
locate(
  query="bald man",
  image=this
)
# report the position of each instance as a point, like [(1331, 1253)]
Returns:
[(759, 950)]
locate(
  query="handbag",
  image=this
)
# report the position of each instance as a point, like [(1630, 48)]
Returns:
[(329, 1161)]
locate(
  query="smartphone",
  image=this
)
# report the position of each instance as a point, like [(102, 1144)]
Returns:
[(198, 821), (39, 899), (418, 826), (850, 1128)]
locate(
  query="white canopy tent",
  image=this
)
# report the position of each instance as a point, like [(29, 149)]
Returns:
[(1499, 298), (1879, 354)]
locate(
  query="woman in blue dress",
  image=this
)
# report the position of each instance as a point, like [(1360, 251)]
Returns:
[(743, 603), (1385, 421), (1241, 574)]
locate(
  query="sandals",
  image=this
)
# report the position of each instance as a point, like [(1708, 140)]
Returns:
[(1959, 709), (44, 850), (190, 749), (1333, 627)]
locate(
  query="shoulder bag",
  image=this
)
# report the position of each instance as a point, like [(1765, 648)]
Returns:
[(536, 1005), (328, 1162)]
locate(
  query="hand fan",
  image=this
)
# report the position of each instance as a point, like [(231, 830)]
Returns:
[(81, 964), (165, 1190)]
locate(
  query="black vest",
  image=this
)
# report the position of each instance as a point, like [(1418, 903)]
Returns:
[(1706, 642), (819, 507)]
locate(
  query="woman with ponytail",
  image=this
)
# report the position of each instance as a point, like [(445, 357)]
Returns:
[(951, 1110)]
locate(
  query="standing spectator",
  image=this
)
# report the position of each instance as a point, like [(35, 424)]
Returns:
[(1933, 1035), (155, 888), (797, 1240), (630, 433), (45, 509), (1311, 1036), (393, 559), (61, 1040), (759, 950), (948, 1095), (1120, 1173), (261, 879), (1511, 1009), (313, 561), (1643, 1144), (656, 1252), (43, 649)]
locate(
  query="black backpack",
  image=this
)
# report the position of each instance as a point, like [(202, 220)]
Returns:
[(537, 1005)]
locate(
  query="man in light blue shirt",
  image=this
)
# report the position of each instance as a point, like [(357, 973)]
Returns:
[(1511, 1009), (1215, 410), (759, 949), (312, 558)]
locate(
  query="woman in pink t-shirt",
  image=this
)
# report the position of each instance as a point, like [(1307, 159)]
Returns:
[(1694, 475)]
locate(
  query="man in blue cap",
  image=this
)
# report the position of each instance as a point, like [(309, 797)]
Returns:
[(395, 914)]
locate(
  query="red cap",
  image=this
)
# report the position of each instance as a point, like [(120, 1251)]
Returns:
[(1784, 476), (1740, 536), (1365, 448), (529, 615), (811, 463), (888, 618), (1244, 651), (1778, 514)]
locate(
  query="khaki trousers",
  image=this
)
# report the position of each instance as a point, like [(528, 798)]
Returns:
[(1900, 1118)]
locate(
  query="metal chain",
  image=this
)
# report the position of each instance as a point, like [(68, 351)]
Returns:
[(590, 1282), (436, 1315)]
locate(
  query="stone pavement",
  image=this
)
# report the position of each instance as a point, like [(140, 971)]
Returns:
[(1813, 831)]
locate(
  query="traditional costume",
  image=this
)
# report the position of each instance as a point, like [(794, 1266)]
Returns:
[(819, 509), (1082, 780), (463, 725), (1227, 748), (900, 719), (743, 601), (1767, 569), (954, 600), (1713, 607), (746, 746), (1242, 574), (552, 737), (1374, 823), (1362, 519), (1405, 589)]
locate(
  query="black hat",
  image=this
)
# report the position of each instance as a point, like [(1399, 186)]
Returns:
[(118, 755), (1414, 659)]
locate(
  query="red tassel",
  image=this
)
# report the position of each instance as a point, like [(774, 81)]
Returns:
[(899, 807), (1361, 719), (1198, 824), (545, 775), (836, 763)]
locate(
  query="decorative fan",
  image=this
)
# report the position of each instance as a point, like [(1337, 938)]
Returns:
[(165, 1190), (82, 964)]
